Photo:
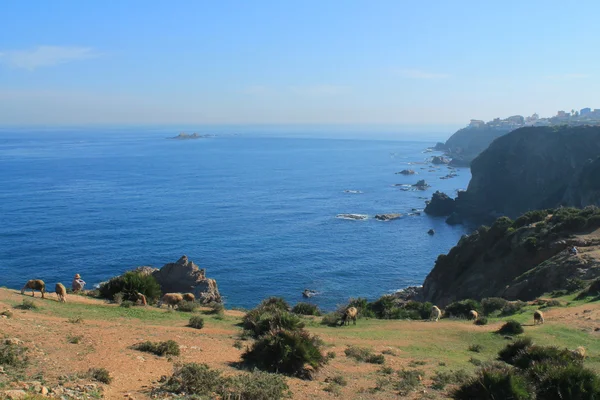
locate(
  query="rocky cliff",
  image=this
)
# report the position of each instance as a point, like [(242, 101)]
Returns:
[(519, 259), (467, 143), (533, 168)]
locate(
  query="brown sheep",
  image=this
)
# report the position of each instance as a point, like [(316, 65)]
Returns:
[(350, 314), (61, 292), (35, 284), (538, 317), (473, 315), (436, 313), (579, 352), (141, 299), (171, 300), (189, 297)]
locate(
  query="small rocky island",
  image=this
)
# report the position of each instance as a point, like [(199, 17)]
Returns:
[(186, 136)]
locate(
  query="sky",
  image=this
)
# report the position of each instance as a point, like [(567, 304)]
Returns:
[(295, 62)]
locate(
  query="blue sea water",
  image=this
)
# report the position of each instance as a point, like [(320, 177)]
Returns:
[(257, 211)]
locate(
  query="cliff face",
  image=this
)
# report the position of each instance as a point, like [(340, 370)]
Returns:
[(533, 168), (467, 143)]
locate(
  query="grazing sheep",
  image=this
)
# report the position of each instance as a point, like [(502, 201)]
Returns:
[(171, 300), (189, 297), (436, 313), (35, 284), (141, 299), (61, 292), (473, 315), (349, 314), (538, 317), (579, 352)]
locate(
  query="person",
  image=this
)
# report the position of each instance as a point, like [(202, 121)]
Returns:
[(78, 283), (573, 250)]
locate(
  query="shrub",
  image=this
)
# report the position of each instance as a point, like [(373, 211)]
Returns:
[(127, 304), (74, 339), (476, 348), (462, 308), (7, 313), (389, 352), (261, 321), (193, 379), (118, 297), (512, 307), (276, 303), (530, 244), (408, 381), (75, 320), (27, 305), (286, 352), (196, 322), (168, 348), (592, 290), (593, 222), (306, 309), (424, 309), (187, 306), (566, 382), (574, 285), (510, 352), (552, 303), (495, 382), (386, 370), (491, 304), (481, 321), (499, 227), (254, 386), (530, 217), (129, 284), (333, 388), (13, 355), (476, 362), (330, 355), (364, 354), (100, 375), (216, 308), (337, 379), (440, 379), (331, 319), (511, 327), (533, 355), (363, 307)]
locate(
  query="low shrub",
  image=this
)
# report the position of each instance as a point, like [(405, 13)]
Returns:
[(196, 322), (216, 308), (362, 306), (476, 348), (530, 217), (330, 355), (442, 378), (13, 355), (389, 352), (461, 309), (306, 309), (261, 321), (129, 284), (286, 352), (552, 303), (566, 382), (168, 348), (254, 386), (364, 354), (75, 320), (574, 285), (530, 244), (337, 379), (74, 339), (495, 382), (27, 305), (385, 370), (100, 375), (7, 313), (476, 362), (333, 388), (510, 352), (126, 304), (408, 381), (187, 306), (331, 319), (492, 304), (512, 307), (511, 327), (533, 355), (592, 290), (193, 379), (481, 321)]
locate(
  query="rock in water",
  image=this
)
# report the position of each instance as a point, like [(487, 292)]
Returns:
[(406, 172), (387, 217), (440, 205), (184, 276), (421, 185), (440, 160), (352, 216), (431, 232)]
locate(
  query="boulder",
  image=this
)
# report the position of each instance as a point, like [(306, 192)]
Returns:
[(15, 394), (421, 185), (183, 276), (406, 172), (440, 205), (387, 217), (431, 232), (440, 160)]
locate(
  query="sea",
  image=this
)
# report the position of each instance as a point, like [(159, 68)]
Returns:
[(257, 209)]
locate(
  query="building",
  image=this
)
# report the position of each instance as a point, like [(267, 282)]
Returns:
[(584, 111), (562, 114), (516, 120), (476, 123)]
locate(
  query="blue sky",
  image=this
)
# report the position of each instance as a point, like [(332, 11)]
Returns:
[(315, 62)]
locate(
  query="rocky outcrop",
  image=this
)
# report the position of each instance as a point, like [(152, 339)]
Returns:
[(439, 146), (387, 217), (421, 185), (467, 143), (184, 276), (440, 160), (406, 172), (533, 168), (440, 205)]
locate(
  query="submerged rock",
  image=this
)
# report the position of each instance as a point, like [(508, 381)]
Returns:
[(352, 216), (431, 232), (406, 172), (421, 185)]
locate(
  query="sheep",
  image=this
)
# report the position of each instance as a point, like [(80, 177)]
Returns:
[(538, 317), (171, 299), (189, 297), (473, 315), (35, 284), (436, 313), (579, 352), (141, 299), (61, 292), (349, 314)]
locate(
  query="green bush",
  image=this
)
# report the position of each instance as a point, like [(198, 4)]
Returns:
[(254, 386), (187, 306), (593, 222), (440, 379), (461, 309), (511, 327), (481, 321), (512, 350), (408, 381), (574, 285), (530, 244), (13, 355), (168, 348), (364, 354), (533, 355), (592, 290), (424, 309), (286, 352), (129, 284), (362, 305), (276, 303), (512, 307), (216, 308), (476, 348), (492, 304), (261, 321), (127, 304), (566, 382), (193, 379), (495, 382), (530, 217), (27, 305), (196, 322), (100, 375), (306, 309), (331, 319)]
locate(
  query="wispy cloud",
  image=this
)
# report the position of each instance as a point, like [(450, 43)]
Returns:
[(45, 56), (568, 76), (421, 74)]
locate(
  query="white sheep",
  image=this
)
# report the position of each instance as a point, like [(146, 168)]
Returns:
[(350, 314), (473, 315), (61, 292), (436, 313)]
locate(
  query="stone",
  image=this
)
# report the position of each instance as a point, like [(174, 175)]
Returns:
[(13, 341), (183, 276), (15, 394), (387, 217), (44, 391), (440, 205), (406, 172), (431, 232), (440, 160), (421, 185)]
